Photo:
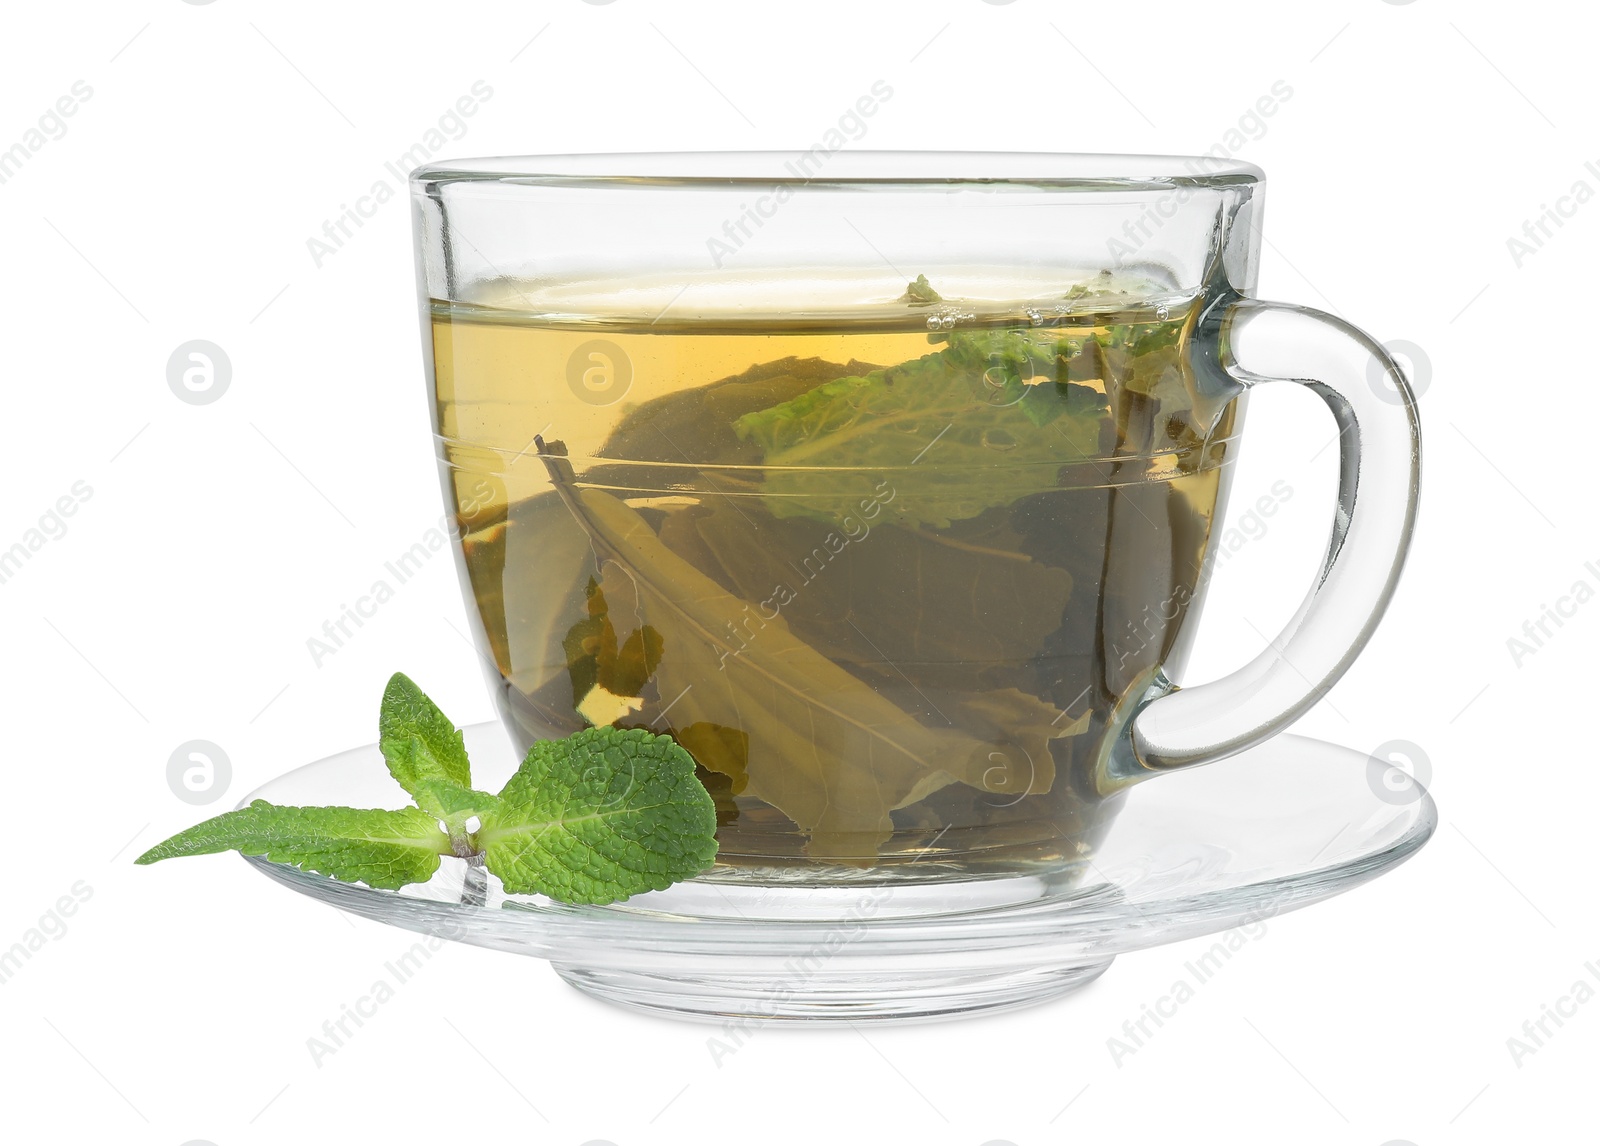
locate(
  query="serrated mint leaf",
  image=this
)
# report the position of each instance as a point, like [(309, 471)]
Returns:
[(450, 802), (602, 815), (424, 750), (983, 422), (375, 846), (596, 817)]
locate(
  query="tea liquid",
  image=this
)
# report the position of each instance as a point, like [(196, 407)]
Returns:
[(886, 575)]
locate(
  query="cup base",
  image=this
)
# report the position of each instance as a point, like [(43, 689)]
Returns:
[(892, 993)]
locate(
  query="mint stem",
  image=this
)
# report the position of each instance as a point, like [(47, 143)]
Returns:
[(475, 884), (461, 843)]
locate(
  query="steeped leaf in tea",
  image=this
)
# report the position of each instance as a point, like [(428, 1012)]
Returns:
[(888, 578)]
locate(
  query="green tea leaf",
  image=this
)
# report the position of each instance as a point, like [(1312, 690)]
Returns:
[(825, 748), (921, 293), (524, 588), (981, 423), (423, 749), (606, 675), (1018, 727), (602, 815), (938, 607), (381, 848), (696, 424), (725, 751)]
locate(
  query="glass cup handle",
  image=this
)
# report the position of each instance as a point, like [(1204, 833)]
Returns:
[(1379, 468)]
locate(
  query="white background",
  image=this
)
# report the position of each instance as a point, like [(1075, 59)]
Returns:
[(219, 137)]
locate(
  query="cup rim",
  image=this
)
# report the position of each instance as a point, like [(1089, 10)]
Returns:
[(817, 166)]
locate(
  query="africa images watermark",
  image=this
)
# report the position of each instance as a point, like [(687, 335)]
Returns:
[(199, 772), (1251, 525), (799, 970), (337, 1032), (50, 526), (51, 126), (1250, 127), (1537, 1032), (1155, 620), (451, 126), (850, 127), (1540, 229), (339, 630), (852, 529), (1137, 1032), (52, 925), (1538, 630)]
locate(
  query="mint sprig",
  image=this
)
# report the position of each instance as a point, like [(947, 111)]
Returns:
[(428, 758), (600, 816), (419, 742), (602, 809), (378, 847)]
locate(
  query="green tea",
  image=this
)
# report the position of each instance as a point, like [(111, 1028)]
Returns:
[(889, 576)]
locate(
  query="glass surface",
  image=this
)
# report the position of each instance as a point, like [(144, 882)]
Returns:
[(888, 606), (1273, 829), (885, 487)]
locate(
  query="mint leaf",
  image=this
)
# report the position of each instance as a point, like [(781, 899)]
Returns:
[(424, 751), (594, 818), (385, 849), (602, 815), (983, 422), (921, 293)]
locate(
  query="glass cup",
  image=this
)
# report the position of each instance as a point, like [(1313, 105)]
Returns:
[(885, 483)]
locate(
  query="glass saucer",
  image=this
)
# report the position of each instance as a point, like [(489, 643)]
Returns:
[(1285, 824)]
